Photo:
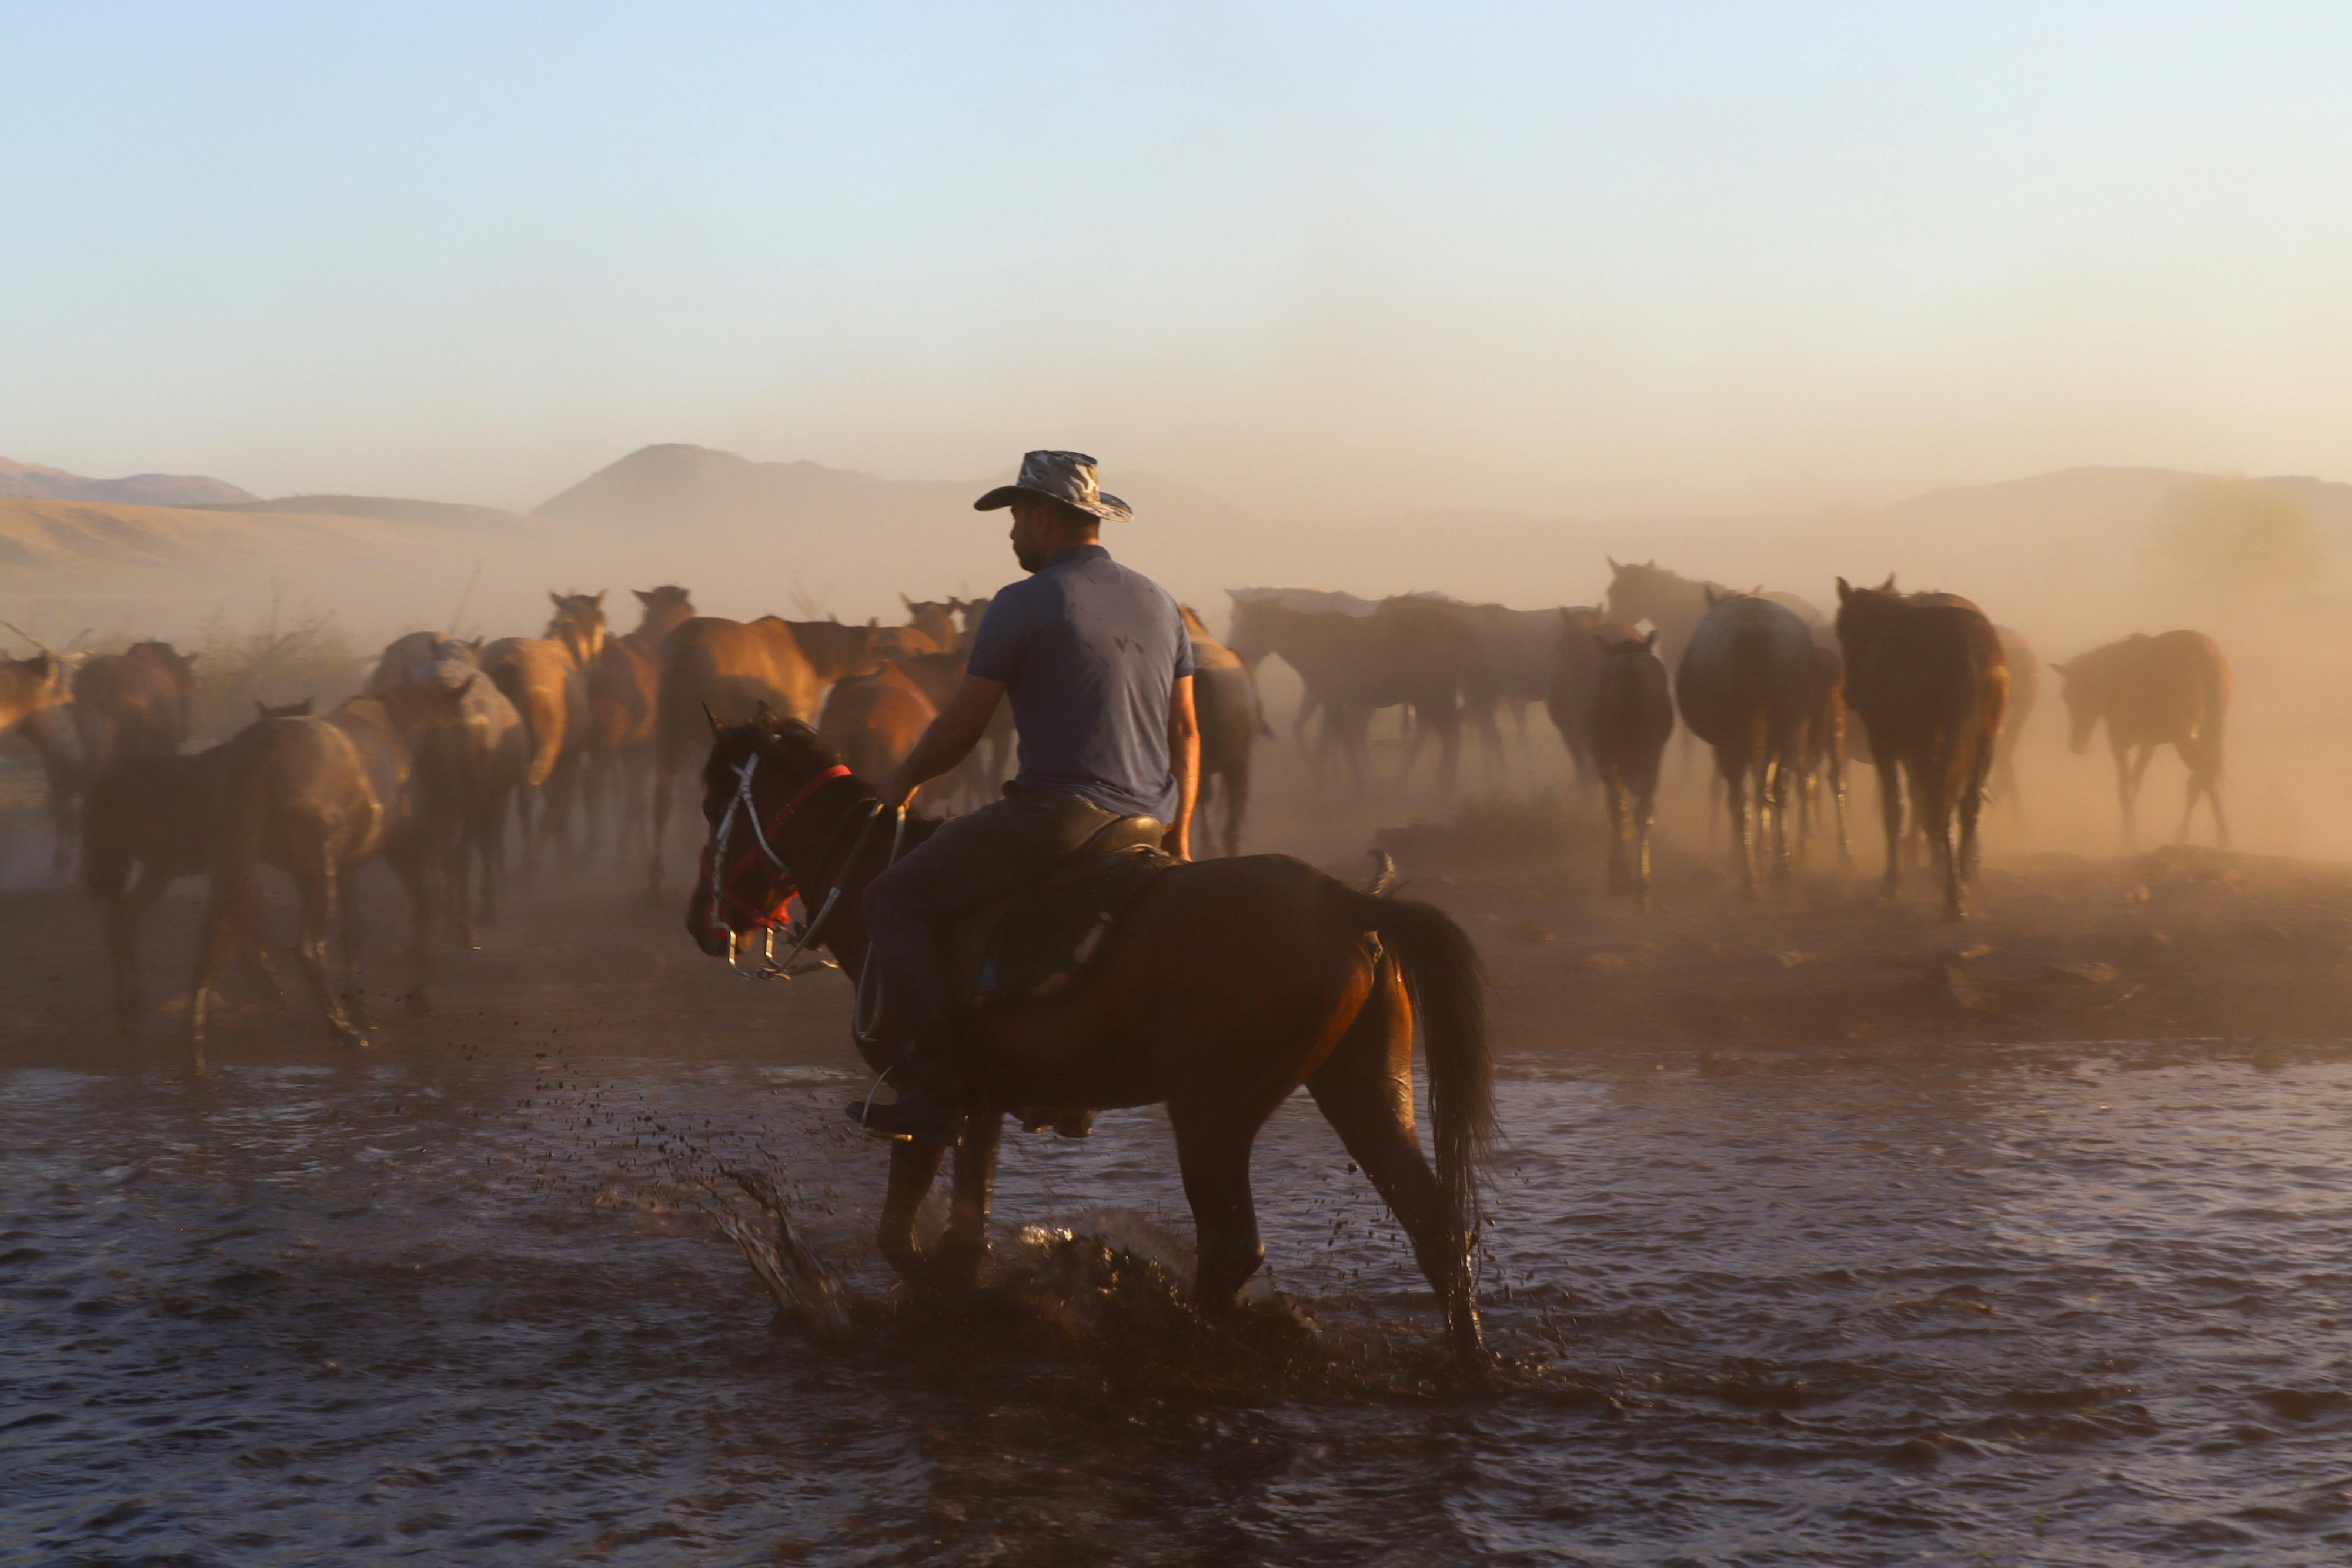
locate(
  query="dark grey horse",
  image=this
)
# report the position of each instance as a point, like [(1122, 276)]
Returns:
[(1746, 687)]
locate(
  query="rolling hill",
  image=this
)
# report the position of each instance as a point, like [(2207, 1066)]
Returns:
[(30, 479)]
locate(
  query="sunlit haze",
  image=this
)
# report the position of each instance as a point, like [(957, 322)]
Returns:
[(1597, 260)]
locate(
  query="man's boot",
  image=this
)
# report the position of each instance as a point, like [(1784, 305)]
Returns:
[(930, 1107)]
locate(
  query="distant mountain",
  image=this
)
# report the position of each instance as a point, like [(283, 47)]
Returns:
[(393, 509), (30, 479)]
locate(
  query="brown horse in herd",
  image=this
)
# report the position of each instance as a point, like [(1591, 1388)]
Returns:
[(1926, 675), (710, 664), (1630, 716), (137, 701), (36, 707), (623, 689), (546, 678), (1224, 986), (318, 797), (2171, 689)]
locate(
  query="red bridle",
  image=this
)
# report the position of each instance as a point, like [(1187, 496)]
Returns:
[(735, 905)]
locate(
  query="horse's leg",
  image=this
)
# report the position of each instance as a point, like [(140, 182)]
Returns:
[(1836, 766), (1743, 843), (123, 911), (415, 867), (663, 776), (1890, 812), (354, 934), (2124, 790), (914, 1166), (1774, 794), (1212, 1151), (965, 1244), (1645, 811), (1621, 875), (318, 886), (1365, 1092), (1237, 794), (2211, 774)]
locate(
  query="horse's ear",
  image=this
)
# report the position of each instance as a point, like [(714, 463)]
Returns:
[(643, 596), (2058, 669), (302, 708), (1650, 643), (1613, 563), (555, 599), (475, 644), (907, 603), (190, 658), (874, 623), (1712, 598), (1845, 591), (261, 708), (1888, 586), (764, 717), (717, 729), (464, 687), (600, 599)]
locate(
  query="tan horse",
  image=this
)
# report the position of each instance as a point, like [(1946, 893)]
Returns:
[(1224, 696), (318, 797), (546, 678), (874, 720), (2171, 689), (36, 707), (1225, 986), (624, 685), (730, 667)]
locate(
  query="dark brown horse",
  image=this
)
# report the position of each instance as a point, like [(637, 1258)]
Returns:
[(1925, 673), (710, 664), (980, 777), (1224, 696), (135, 702), (1226, 985), (1631, 715), (1745, 685), (874, 720), (1579, 637), (2171, 689), (155, 812), (318, 797), (2024, 691), (546, 678)]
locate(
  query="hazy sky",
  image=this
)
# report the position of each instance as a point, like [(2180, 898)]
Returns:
[(1591, 259)]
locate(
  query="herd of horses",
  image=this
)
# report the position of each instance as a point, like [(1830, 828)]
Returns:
[(1230, 983), (450, 743)]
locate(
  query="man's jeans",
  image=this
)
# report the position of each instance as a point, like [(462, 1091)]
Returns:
[(1000, 849)]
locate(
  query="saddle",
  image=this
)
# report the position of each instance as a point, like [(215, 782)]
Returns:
[(1035, 943)]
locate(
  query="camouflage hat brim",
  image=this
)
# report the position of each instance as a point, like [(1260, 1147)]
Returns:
[(1105, 506)]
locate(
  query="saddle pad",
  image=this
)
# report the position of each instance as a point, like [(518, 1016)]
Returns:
[(1035, 943)]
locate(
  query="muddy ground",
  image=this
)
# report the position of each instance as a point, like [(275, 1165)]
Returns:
[(2244, 953)]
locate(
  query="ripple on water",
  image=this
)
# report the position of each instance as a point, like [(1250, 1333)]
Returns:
[(1876, 1311)]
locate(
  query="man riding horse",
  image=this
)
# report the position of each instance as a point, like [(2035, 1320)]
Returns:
[(1098, 665)]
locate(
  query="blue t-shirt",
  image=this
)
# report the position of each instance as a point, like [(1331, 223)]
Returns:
[(1089, 652)]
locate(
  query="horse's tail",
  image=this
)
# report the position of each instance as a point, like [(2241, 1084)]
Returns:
[(542, 719), (1448, 987)]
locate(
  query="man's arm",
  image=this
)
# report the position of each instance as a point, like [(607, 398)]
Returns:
[(1184, 761), (949, 738)]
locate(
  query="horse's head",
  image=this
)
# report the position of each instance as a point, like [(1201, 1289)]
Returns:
[(425, 702), (178, 672), (757, 774), (1864, 612), (1638, 590), (661, 610), (578, 623), (2074, 683)]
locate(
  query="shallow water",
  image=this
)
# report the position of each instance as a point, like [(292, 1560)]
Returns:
[(2069, 1307)]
